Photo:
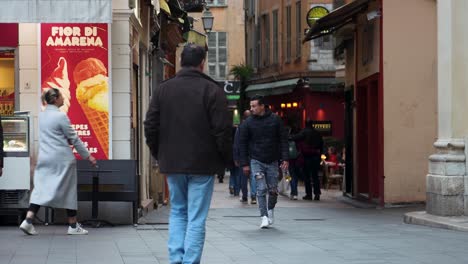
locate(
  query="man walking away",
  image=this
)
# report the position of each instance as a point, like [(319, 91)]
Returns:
[(188, 130), (311, 150), (264, 140)]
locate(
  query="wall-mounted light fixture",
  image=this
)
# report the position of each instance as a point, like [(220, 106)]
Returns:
[(283, 105), (207, 19)]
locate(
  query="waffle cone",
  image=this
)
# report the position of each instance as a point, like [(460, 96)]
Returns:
[(99, 121)]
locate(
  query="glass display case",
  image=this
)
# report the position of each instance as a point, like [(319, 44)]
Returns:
[(15, 136)]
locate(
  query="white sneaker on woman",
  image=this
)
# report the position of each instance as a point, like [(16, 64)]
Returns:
[(28, 229), (77, 231)]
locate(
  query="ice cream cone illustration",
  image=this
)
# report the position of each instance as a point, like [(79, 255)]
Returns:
[(59, 79), (92, 93)]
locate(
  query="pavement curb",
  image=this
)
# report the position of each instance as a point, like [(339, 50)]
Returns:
[(458, 223)]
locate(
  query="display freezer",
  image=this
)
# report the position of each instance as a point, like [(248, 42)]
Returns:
[(15, 183)]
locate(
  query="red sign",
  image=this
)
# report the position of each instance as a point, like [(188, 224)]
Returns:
[(9, 35), (74, 59)]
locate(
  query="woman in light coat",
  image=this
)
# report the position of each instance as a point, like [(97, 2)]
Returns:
[(55, 176)]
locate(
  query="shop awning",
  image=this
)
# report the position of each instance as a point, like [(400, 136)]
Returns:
[(272, 88), (336, 19), (56, 11), (287, 86)]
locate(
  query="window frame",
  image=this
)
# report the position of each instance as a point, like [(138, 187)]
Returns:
[(288, 34), (217, 64), (267, 35), (275, 36), (298, 29), (216, 3)]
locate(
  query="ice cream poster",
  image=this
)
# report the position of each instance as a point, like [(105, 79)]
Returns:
[(75, 60)]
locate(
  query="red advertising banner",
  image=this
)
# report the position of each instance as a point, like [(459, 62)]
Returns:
[(75, 60)]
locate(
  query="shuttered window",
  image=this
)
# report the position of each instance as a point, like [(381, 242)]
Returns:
[(217, 55)]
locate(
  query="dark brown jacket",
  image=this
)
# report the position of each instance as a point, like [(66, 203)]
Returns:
[(188, 126)]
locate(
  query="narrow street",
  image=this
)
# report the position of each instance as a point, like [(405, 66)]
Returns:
[(326, 232)]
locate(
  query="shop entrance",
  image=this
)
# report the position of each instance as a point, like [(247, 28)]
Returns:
[(349, 135), (368, 147)]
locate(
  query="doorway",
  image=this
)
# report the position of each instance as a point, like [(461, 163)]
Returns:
[(369, 127), (349, 136)]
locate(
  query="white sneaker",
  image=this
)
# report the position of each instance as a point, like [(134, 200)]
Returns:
[(265, 222), (28, 229), (77, 231), (271, 217)]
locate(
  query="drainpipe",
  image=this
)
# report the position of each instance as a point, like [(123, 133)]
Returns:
[(380, 135), (354, 190)]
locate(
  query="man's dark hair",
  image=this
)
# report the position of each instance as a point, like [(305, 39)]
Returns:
[(192, 55), (259, 98)]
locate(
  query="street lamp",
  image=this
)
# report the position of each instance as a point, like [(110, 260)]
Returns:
[(207, 19)]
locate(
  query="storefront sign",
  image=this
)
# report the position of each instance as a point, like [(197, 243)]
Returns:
[(315, 13), (75, 60), (323, 127), (231, 89)]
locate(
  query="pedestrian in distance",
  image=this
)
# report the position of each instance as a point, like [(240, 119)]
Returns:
[(55, 175), (188, 130), (296, 163), (264, 143), (244, 179), (311, 149)]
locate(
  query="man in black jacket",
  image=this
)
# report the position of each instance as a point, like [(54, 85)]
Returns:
[(311, 151), (264, 140), (188, 130)]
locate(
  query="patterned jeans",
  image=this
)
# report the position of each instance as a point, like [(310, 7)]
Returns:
[(266, 175)]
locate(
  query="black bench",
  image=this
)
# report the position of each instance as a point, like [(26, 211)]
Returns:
[(112, 180)]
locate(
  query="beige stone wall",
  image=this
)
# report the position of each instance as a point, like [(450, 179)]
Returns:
[(410, 96), (228, 19)]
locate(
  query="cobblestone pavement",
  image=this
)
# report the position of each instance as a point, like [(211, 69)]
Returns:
[(325, 232)]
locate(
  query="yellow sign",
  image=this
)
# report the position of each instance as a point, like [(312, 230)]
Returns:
[(315, 13)]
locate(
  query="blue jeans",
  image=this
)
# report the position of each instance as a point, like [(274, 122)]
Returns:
[(244, 181), (266, 175), (190, 200), (296, 174), (234, 180)]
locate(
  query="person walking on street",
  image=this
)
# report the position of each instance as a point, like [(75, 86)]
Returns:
[(244, 180), (55, 175), (311, 149), (188, 130), (296, 163), (264, 143)]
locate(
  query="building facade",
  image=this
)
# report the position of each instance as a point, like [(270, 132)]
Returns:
[(299, 81), (390, 69)]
